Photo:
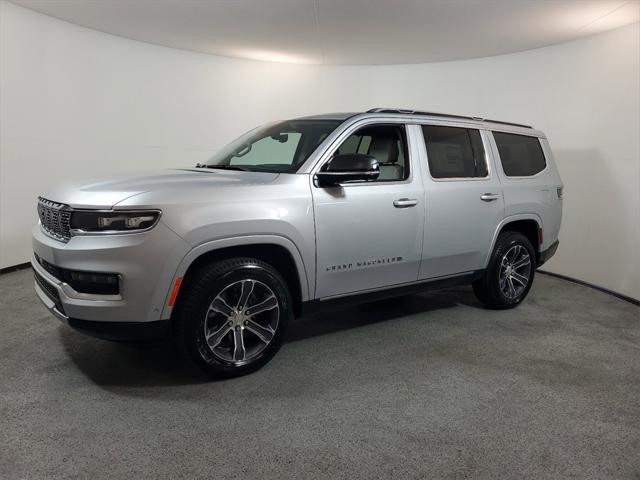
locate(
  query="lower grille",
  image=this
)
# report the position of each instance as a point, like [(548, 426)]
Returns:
[(55, 219), (56, 272), (49, 290), (100, 283)]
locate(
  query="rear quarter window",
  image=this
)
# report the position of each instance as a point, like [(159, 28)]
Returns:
[(520, 155)]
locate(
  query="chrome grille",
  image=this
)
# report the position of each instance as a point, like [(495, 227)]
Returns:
[(55, 219)]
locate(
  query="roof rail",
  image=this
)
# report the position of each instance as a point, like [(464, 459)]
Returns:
[(436, 114)]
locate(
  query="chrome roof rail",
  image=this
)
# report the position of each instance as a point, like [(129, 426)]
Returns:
[(447, 115)]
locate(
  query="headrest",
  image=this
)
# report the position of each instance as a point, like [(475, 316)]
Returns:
[(385, 150)]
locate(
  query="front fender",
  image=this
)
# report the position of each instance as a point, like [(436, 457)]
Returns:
[(196, 252)]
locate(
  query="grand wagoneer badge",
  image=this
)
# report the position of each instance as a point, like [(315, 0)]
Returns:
[(363, 263)]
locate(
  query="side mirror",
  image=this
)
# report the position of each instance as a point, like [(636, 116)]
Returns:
[(349, 167)]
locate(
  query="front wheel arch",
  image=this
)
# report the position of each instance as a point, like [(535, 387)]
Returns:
[(214, 346), (278, 256)]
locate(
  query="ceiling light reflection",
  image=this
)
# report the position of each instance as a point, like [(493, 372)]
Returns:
[(273, 56)]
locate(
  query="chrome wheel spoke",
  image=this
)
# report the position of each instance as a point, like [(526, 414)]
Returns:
[(269, 303), (521, 279), (239, 352), (512, 288), (263, 333), (214, 338), (247, 287), (516, 253), (219, 305), (523, 262)]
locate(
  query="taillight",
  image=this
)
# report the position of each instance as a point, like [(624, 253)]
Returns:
[(560, 191)]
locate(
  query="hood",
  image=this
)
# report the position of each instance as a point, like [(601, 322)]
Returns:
[(108, 192)]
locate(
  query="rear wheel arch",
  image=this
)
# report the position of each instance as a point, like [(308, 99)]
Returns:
[(530, 228), (528, 225)]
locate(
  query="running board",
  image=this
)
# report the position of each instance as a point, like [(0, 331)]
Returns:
[(397, 291)]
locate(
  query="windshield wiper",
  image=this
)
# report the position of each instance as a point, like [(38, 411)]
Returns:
[(224, 167)]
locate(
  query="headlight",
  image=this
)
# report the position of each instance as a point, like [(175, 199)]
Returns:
[(118, 221)]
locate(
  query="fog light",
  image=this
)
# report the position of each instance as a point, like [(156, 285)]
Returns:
[(97, 283)]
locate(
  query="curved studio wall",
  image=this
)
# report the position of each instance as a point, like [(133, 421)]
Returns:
[(78, 103)]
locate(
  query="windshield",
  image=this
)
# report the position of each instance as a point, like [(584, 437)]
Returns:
[(281, 147)]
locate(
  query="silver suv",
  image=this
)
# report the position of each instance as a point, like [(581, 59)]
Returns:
[(298, 214)]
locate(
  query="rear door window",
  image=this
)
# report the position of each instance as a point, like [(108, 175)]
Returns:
[(454, 152), (520, 155)]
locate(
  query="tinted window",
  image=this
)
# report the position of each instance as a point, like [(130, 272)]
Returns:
[(521, 156), (454, 152), (384, 142)]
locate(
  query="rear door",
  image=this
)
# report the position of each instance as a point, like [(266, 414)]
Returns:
[(464, 201)]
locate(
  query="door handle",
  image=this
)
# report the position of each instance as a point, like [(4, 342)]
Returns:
[(405, 202), (489, 197)]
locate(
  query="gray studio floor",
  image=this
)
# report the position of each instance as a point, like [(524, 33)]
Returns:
[(426, 386)]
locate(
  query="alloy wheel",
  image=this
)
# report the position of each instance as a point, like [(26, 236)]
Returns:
[(515, 271), (241, 321)]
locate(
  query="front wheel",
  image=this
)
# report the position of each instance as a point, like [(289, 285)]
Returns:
[(509, 275), (233, 316)]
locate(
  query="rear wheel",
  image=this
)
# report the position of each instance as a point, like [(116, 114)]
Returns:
[(233, 316), (509, 275)]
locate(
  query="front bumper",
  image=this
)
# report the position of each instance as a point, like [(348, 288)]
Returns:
[(145, 263), (120, 331)]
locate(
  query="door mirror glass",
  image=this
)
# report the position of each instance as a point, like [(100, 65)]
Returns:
[(349, 167)]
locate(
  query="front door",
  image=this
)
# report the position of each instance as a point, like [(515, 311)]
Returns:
[(464, 202), (369, 235)]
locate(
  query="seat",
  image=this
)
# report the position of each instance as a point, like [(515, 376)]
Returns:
[(386, 151)]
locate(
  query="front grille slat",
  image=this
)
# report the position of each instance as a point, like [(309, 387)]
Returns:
[(55, 219)]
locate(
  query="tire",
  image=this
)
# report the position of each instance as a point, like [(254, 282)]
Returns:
[(215, 326), (508, 277)]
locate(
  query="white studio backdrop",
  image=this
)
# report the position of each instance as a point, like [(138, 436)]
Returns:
[(76, 103)]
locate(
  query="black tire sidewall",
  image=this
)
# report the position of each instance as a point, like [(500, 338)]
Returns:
[(204, 289)]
